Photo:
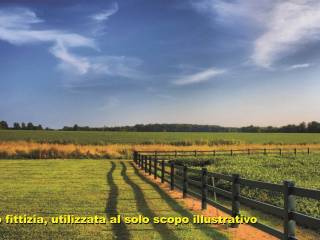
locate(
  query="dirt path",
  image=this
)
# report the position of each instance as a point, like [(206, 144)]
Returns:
[(243, 232)]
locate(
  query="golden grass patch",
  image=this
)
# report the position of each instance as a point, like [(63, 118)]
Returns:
[(24, 149)]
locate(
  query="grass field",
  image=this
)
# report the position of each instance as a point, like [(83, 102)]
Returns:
[(87, 187), (177, 138), (303, 169)]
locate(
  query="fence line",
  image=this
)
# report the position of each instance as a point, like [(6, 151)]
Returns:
[(231, 152), (200, 189)]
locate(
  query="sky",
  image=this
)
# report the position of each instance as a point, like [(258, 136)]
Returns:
[(98, 62)]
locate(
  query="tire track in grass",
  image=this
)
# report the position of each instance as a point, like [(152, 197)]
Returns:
[(142, 206), (207, 230), (120, 230)]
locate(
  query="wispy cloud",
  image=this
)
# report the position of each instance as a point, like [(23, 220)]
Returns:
[(291, 25), (297, 66), (198, 77), (105, 14), (121, 66), (280, 28), (20, 26), (230, 11)]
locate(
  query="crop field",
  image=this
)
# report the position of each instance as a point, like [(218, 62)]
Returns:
[(176, 138), (303, 169), (73, 176), (50, 188)]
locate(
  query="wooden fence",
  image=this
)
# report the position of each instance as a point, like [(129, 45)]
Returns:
[(196, 183), (231, 152)]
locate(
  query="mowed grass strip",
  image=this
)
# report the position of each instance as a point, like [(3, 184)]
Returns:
[(88, 187)]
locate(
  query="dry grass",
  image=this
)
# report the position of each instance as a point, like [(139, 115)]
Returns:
[(23, 149)]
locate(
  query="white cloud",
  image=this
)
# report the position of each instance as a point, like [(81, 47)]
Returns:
[(281, 27), (291, 25), (202, 76), (297, 66), (105, 14), (228, 12), (117, 66), (19, 27), (70, 61)]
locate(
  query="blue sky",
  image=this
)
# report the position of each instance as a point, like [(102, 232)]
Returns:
[(226, 62)]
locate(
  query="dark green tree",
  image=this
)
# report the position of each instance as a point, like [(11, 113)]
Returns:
[(4, 125), (75, 127), (16, 126), (30, 126)]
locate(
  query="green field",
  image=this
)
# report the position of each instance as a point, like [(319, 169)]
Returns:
[(303, 169), (88, 187), (182, 138)]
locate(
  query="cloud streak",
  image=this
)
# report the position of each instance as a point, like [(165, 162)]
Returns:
[(291, 25), (105, 14), (279, 28), (21, 27), (17, 27), (297, 66), (198, 77)]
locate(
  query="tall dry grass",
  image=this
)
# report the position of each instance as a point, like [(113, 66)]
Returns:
[(32, 150)]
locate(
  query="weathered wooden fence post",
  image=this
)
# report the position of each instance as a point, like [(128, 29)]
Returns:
[(295, 152), (146, 164), (185, 181), (150, 166), (214, 152), (308, 151), (231, 152), (280, 151), (155, 168), (195, 153), (139, 160), (235, 198), (142, 162), (162, 171), (135, 156), (172, 175), (289, 224), (214, 189), (265, 151), (204, 188), (248, 151)]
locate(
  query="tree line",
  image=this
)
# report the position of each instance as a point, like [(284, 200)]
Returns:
[(22, 126), (311, 127)]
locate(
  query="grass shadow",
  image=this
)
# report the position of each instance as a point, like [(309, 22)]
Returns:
[(142, 206), (120, 230), (209, 231)]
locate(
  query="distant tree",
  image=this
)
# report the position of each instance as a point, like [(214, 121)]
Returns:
[(313, 127), (39, 127), (23, 126), (4, 125), (75, 127), (302, 127), (30, 126), (16, 126)]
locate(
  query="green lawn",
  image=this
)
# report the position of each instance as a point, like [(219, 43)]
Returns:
[(87, 187), (157, 137)]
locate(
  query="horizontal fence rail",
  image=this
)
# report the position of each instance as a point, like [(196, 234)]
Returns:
[(231, 152), (198, 183)]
